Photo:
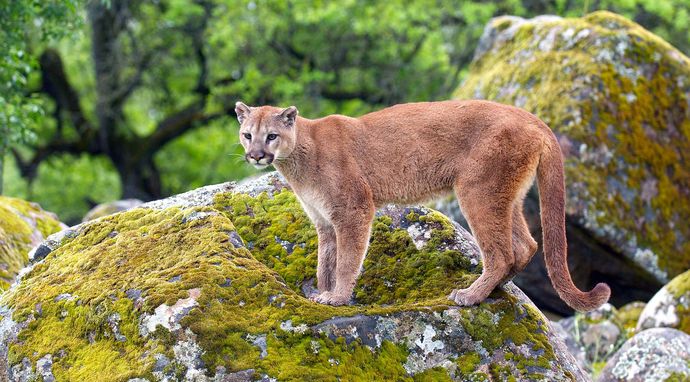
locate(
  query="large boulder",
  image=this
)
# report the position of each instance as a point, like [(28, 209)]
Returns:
[(653, 355), (210, 286), (23, 225), (670, 307), (617, 98)]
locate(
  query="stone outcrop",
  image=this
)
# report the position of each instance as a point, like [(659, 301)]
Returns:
[(109, 208)]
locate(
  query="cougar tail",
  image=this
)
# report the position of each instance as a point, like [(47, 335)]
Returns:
[(551, 183)]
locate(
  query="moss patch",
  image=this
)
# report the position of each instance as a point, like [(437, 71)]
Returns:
[(276, 230), (22, 225), (281, 236)]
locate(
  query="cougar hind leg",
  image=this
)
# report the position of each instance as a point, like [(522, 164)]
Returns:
[(524, 245), (490, 222)]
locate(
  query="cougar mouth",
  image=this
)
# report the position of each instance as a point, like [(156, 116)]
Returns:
[(260, 166)]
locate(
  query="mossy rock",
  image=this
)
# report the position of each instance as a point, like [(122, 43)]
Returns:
[(23, 225), (210, 286), (617, 97), (670, 307)]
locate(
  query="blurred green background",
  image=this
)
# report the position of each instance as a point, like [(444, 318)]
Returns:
[(104, 100)]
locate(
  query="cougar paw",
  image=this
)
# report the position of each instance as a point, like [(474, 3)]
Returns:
[(330, 298), (464, 297)]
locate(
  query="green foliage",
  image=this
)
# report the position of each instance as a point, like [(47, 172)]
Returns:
[(20, 21), (208, 155), (55, 185)]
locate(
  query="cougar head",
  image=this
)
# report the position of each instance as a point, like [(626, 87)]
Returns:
[(267, 133)]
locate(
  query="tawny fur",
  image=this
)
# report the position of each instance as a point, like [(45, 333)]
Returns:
[(343, 168)]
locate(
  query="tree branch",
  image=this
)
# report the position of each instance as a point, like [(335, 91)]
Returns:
[(179, 123), (132, 83), (28, 168), (198, 44), (57, 86)]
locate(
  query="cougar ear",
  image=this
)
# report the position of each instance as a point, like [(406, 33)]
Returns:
[(242, 111), (288, 116)]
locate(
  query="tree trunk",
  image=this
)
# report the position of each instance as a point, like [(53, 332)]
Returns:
[(140, 180), (107, 21), (138, 174)]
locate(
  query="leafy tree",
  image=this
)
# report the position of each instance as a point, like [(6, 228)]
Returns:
[(19, 21)]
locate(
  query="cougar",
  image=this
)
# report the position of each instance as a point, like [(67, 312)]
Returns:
[(489, 154)]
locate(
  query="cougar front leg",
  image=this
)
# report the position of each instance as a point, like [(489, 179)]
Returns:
[(352, 236), (325, 269)]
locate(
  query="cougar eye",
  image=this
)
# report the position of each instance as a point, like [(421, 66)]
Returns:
[(248, 136), (271, 137)]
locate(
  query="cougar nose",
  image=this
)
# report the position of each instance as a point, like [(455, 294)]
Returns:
[(257, 155)]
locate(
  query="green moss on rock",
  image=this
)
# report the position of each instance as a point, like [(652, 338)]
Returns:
[(617, 97), (22, 225), (214, 289), (276, 230), (396, 271)]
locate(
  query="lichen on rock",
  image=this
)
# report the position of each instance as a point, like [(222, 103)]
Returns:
[(22, 226), (659, 354), (208, 286), (617, 97)]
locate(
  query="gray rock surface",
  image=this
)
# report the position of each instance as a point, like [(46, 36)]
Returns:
[(653, 355), (596, 335)]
